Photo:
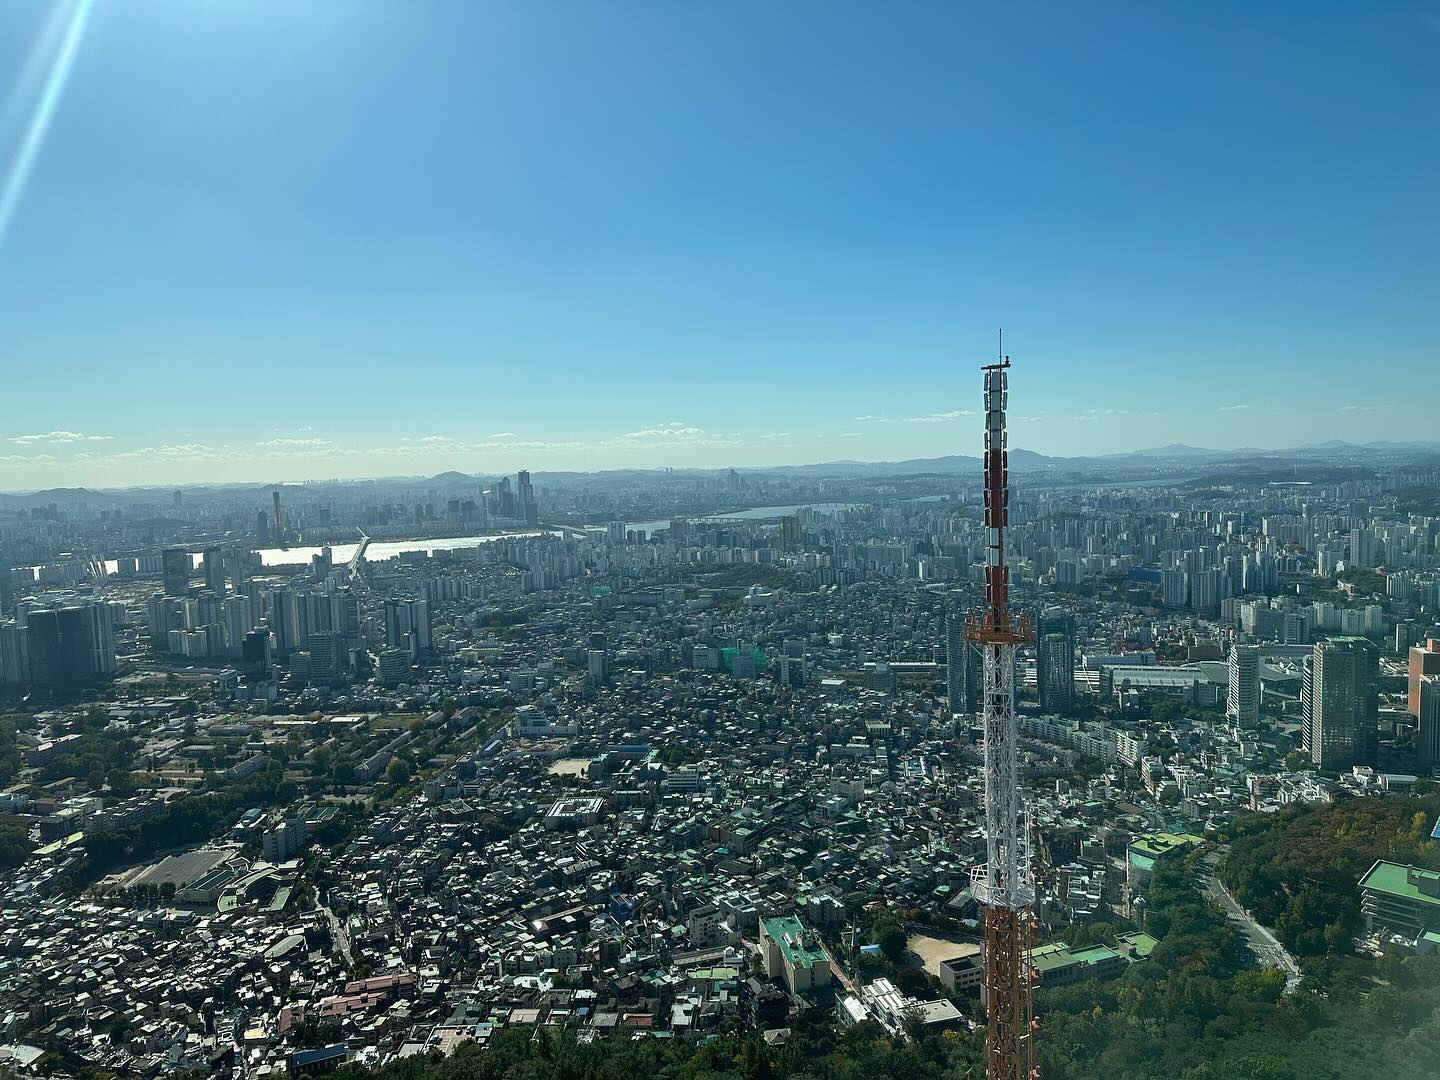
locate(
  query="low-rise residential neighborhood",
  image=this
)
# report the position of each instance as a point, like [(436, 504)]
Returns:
[(665, 777)]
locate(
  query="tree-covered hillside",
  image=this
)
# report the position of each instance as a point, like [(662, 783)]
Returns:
[(1295, 871)]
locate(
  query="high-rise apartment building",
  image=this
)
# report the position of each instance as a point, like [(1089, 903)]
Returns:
[(281, 605), (962, 665), (1362, 548), (1339, 703), (327, 655), (1055, 661), (239, 617), (407, 626), (790, 532), (1173, 582), (212, 565), (1424, 660), (1243, 704), (69, 646), (596, 664), (1204, 589), (394, 666), (1427, 743)]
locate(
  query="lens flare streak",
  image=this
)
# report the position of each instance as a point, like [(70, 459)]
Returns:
[(34, 139)]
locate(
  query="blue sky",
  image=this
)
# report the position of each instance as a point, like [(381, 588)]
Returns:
[(263, 241)]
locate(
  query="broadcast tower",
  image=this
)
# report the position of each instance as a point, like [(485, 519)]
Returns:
[(1004, 884)]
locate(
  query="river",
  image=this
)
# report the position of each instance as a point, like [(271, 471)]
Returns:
[(376, 552)]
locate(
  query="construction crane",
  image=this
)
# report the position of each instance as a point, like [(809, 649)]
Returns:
[(1004, 885)]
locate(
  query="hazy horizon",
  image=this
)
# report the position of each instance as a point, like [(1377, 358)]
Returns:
[(718, 466)]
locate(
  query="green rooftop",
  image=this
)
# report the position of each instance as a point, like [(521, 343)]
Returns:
[(1059, 955), (788, 933), (62, 843), (1394, 879), (1140, 944), (1144, 850), (280, 899), (716, 974), (1094, 954)]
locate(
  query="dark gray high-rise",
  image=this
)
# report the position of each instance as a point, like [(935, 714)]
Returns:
[(963, 674), (1339, 703), (175, 571), (1055, 661)]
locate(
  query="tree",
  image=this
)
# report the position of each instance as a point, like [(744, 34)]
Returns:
[(14, 846), (398, 771), (889, 934)]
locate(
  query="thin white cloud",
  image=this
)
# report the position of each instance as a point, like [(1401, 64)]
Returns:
[(26, 459), (850, 434), (174, 452), (1233, 408), (444, 444), (671, 436), (503, 435), (669, 431), (286, 441), (776, 435), (940, 417), (928, 418), (59, 437)]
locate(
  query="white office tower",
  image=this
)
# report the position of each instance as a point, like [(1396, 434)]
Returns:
[(239, 621), (1243, 707)]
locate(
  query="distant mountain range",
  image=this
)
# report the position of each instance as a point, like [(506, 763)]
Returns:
[(1156, 461), (1157, 458)]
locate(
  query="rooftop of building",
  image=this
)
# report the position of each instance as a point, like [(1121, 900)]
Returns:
[(1139, 944), (790, 935), (1144, 850), (1398, 880), (1059, 955)]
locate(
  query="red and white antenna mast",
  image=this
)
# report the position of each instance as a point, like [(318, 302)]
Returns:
[(1004, 885)]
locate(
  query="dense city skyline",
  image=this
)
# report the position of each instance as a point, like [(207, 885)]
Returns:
[(526, 551), (717, 246)]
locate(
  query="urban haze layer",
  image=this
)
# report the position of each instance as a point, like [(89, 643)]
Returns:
[(678, 772)]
